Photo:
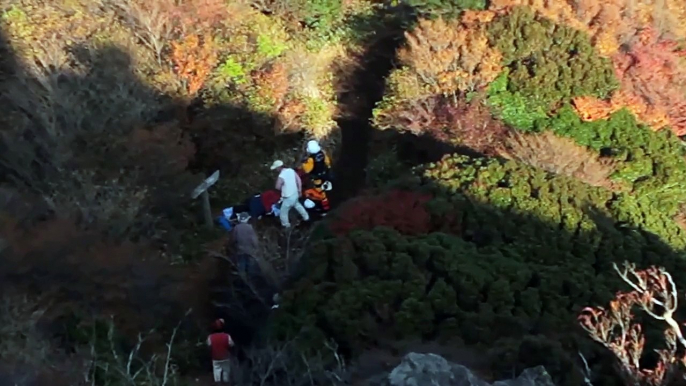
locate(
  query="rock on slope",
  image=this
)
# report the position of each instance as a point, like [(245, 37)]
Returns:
[(434, 370)]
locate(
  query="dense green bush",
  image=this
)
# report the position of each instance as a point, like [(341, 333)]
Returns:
[(651, 162), (443, 8), (546, 64), (526, 251)]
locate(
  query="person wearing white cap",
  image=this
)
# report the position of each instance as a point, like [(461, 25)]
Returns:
[(290, 185)]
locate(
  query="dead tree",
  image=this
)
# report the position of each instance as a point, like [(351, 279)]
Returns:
[(654, 292)]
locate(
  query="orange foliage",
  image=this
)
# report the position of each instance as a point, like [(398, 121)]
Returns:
[(289, 115), (653, 85), (448, 56), (194, 60), (472, 18), (610, 23), (272, 83), (200, 15)]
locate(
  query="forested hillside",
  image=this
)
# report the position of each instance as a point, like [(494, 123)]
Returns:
[(495, 163)]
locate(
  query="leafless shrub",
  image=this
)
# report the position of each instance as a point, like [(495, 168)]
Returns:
[(278, 258), (30, 357), (131, 368), (249, 295), (20, 338), (151, 21), (277, 364), (72, 114), (559, 155), (655, 293)]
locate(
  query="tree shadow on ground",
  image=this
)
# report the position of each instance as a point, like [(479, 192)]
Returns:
[(365, 88), (86, 143), (518, 281)]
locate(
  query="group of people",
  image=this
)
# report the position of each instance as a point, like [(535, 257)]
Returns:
[(304, 189)]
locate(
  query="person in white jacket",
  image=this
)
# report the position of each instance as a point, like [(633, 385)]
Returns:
[(290, 185)]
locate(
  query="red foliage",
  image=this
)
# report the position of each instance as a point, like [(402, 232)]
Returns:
[(650, 70), (471, 124), (401, 210), (457, 122)]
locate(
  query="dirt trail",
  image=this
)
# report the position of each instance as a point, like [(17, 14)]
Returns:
[(356, 130)]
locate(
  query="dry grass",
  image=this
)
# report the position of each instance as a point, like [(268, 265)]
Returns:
[(559, 155)]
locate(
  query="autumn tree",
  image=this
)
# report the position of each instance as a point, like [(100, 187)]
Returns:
[(442, 62), (547, 64), (654, 292), (653, 84), (447, 57), (194, 58), (610, 24)]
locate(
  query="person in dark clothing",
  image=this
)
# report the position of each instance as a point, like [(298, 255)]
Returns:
[(246, 244), (258, 205)]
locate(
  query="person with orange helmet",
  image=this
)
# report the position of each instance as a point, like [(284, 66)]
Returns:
[(220, 344)]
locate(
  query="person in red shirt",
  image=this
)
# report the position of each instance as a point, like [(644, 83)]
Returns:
[(220, 344), (269, 199)]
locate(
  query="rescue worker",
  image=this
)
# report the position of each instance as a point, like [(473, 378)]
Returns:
[(220, 344), (317, 165), (317, 200), (246, 242), (290, 185)]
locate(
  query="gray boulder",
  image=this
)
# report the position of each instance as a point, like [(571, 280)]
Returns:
[(434, 370)]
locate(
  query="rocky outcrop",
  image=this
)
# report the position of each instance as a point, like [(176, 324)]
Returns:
[(434, 370)]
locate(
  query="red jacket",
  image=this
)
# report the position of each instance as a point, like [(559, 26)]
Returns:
[(269, 198), (220, 344)]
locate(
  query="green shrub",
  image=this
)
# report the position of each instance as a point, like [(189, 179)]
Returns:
[(443, 8), (651, 162), (527, 251), (548, 64)]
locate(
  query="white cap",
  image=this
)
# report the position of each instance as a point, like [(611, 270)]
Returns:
[(313, 147), (309, 204), (276, 164)]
